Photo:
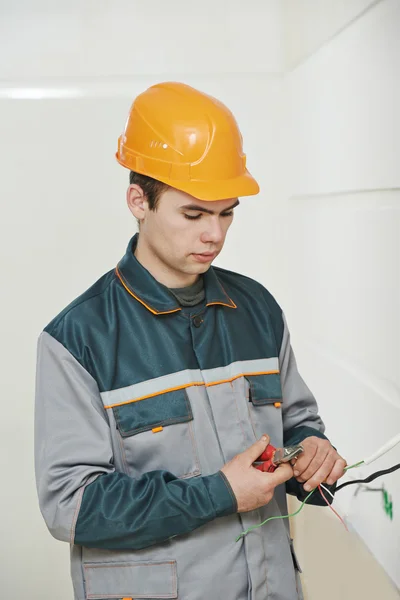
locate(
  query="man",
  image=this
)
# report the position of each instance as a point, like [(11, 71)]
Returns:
[(160, 387)]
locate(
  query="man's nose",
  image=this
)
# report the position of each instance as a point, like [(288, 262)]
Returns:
[(213, 232)]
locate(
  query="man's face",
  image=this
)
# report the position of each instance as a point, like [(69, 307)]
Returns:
[(186, 234)]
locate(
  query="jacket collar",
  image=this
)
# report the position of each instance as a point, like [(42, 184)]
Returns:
[(140, 284)]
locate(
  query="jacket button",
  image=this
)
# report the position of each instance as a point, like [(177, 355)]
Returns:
[(197, 321)]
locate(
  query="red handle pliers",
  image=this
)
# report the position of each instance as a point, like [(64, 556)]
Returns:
[(272, 457)]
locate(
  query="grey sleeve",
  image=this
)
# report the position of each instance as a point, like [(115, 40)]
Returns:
[(300, 415), (299, 407), (72, 436), (83, 499)]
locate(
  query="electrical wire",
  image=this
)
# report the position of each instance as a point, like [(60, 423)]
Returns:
[(354, 466), (328, 491), (277, 517), (380, 452), (388, 446), (368, 479), (383, 449), (331, 507), (339, 487)]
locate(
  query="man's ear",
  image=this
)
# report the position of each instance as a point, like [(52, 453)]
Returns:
[(137, 201)]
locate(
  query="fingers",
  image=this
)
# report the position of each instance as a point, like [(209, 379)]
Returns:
[(325, 471), (318, 457), (304, 460), (318, 463), (337, 471), (282, 473), (255, 451), (320, 475)]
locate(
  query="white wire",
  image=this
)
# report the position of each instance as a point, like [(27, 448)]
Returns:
[(385, 448), (326, 489)]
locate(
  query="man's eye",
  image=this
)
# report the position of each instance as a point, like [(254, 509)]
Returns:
[(195, 218)]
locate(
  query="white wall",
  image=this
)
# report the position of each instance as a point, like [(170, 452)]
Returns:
[(343, 148), (310, 24), (68, 73)]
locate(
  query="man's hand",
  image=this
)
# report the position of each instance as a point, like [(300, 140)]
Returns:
[(318, 463), (251, 487)]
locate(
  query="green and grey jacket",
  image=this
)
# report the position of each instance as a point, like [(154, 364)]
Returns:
[(139, 403)]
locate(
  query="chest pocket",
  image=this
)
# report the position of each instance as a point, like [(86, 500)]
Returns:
[(264, 394), (157, 434)]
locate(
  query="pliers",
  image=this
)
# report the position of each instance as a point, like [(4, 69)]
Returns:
[(272, 457)]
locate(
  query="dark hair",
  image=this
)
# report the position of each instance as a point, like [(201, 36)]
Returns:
[(152, 188)]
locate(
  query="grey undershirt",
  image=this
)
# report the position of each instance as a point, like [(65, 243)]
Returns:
[(190, 295)]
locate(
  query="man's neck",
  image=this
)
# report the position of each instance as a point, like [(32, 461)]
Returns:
[(160, 271)]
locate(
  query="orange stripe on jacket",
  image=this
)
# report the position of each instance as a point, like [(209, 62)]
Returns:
[(182, 387)]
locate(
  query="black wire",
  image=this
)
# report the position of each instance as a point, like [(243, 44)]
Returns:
[(370, 478)]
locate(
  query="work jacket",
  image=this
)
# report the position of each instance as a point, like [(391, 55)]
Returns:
[(139, 404)]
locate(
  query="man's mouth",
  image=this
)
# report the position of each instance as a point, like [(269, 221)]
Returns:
[(205, 256)]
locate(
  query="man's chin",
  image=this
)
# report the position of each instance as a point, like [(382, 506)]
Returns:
[(201, 268)]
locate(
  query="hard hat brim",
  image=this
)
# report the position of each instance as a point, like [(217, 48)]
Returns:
[(212, 191), (209, 191)]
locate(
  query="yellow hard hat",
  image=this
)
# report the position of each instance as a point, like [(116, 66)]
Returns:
[(188, 140)]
